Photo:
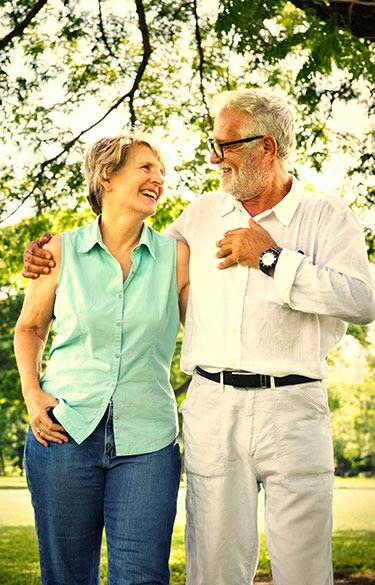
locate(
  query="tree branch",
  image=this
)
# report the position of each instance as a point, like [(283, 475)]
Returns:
[(130, 95), (147, 50), (353, 2), (359, 22), (201, 60), (18, 30), (105, 40)]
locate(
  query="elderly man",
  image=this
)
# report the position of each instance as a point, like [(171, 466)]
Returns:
[(276, 271), (256, 337)]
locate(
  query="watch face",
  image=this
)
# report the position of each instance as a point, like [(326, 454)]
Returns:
[(268, 259)]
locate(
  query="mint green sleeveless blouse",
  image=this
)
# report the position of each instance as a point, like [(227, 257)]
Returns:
[(115, 340)]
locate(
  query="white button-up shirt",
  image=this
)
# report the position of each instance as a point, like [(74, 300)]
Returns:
[(242, 319)]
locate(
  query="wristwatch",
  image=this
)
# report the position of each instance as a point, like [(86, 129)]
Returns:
[(268, 259)]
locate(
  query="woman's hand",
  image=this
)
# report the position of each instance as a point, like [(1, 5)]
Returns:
[(38, 404)]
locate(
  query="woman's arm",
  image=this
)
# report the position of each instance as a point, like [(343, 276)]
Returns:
[(183, 282), (29, 341)]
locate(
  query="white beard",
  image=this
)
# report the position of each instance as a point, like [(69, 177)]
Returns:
[(249, 182)]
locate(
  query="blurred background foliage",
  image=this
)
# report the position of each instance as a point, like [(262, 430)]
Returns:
[(73, 71)]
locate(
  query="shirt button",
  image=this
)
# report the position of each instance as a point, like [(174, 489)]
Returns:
[(113, 384), (235, 331), (118, 323), (117, 355), (119, 295), (234, 365)]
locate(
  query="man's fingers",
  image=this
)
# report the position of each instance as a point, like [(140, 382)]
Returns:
[(28, 274), (227, 240), (39, 258), (44, 238), (224, 251), (231, 232), (229, 261), (34, 269), (32, 250)]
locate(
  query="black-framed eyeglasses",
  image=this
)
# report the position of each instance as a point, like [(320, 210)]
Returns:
[(217, 147)]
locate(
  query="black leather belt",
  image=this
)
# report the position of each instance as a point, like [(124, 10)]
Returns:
[(247, 380)]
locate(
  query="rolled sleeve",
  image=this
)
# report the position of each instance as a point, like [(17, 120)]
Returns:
[(285, 272)]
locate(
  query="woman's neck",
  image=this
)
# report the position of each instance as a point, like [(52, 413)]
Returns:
[(120, 233)]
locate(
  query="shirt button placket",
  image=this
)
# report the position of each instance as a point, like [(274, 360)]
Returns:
[(241, 284), (117, 338)]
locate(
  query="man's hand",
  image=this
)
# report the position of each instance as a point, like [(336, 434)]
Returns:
[(36, 260), (244, 245)]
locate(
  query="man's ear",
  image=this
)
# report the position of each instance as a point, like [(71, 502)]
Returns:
[(270, 146)]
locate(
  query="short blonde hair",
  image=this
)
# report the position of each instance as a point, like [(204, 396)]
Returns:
[(109, 155), (268, 114)]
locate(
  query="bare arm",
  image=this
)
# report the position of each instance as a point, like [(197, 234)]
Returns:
[(183, 282), (29, 341), (37, 259)]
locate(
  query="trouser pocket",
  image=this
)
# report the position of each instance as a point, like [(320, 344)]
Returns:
[(202, 428)]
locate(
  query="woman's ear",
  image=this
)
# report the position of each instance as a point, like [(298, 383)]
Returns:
[(105, 183)]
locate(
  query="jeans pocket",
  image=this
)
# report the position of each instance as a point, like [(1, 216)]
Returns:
[(202, 429), (52, 416)]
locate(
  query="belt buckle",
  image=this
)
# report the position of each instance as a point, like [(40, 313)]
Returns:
[(263, 381)]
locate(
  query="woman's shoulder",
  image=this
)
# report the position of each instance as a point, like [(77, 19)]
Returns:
[(54, 246), (160, 239)]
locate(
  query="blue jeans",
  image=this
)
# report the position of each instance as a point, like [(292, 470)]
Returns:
[(79, 489)]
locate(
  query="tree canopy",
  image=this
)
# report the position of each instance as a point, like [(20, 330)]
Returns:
[(68, 68)]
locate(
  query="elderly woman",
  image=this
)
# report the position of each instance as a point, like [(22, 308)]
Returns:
[(104, 406)]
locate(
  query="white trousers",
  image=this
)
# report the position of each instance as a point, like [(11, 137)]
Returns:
[(236, 439)]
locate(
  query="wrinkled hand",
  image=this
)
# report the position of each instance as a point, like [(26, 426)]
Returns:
[(38, 404), (244, 245), (36, 260)]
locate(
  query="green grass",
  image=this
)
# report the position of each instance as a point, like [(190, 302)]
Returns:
[(353, 537)]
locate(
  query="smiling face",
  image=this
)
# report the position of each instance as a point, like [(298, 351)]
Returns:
[(138, 185), (242, 172)]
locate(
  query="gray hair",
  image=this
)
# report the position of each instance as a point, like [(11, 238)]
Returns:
[(109, 155), (268, 114)]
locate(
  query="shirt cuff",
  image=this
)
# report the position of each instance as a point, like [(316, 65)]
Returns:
[(285, 272)]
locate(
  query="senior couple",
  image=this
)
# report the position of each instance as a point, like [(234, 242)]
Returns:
[(276, 272)]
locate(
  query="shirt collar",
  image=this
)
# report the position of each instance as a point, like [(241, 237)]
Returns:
[(284, 210), (147, 240), (229, 204), (93, 236)]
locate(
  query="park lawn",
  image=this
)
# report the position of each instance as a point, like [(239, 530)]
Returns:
[(353, 537)]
